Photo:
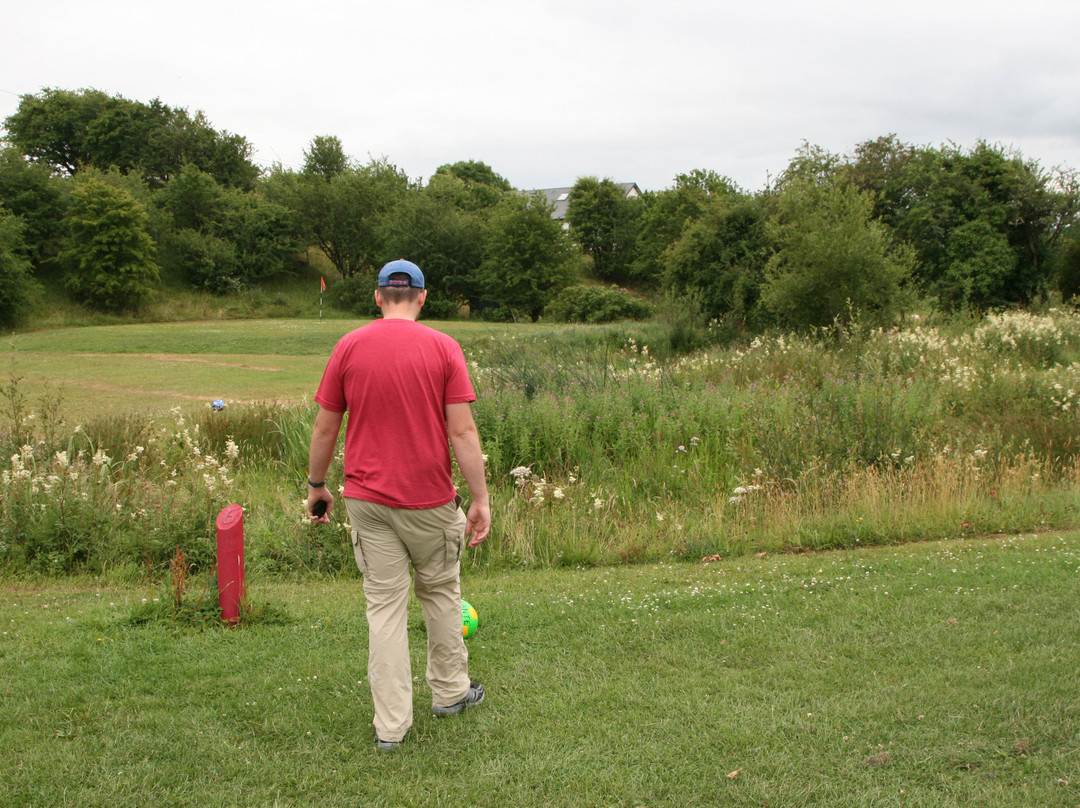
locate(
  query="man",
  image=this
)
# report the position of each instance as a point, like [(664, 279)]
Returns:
[(407, 391)]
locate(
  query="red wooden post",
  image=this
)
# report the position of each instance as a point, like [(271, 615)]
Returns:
[(230, 549)]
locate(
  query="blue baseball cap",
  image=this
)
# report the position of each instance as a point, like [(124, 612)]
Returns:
[(416, 277)]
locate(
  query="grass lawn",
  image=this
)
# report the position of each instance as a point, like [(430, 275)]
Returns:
[(938, 674)]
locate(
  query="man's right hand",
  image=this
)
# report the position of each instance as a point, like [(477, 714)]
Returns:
[(316, 496)]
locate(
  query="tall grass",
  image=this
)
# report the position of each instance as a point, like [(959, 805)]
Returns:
[(603, 445)]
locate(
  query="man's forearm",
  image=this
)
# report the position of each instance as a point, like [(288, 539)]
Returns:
[(323, 440), (465, 439), (470, 460)]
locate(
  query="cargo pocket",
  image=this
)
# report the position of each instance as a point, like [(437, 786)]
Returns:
[(454, 539), (358, 552)]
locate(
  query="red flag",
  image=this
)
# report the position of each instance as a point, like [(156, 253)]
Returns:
[(322, 282)]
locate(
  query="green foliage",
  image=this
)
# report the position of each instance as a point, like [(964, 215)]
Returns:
[(69, 131), (446, 240), (111, 257), (604, 223), (193, 198), (224, 239), (18, 290), (264, 235), (979, 264), (589, 303), (204, 261), (668, 212), (1069, 274), (720, 259), (355, 294), (31, 192), (831, 259), (325, 158), (349, 215), (528, 258), (939, 191), (472, 185)]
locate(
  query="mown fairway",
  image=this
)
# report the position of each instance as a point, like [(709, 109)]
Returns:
[(941, 674), (145, 368)]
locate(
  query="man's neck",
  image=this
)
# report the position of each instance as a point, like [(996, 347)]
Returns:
[(400, 313)]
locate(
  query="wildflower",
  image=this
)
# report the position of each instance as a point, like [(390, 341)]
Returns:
[(62, 461), (558, 493), (598, 503), (101, 459), (232, 451), (520, 472)]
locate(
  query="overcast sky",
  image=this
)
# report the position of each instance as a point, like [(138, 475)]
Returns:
[(546, 91)]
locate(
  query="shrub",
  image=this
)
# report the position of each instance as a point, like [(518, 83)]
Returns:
[(17, 286), (596, 304), (111, 257), (355, 295)]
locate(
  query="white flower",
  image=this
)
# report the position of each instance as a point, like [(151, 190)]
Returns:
[(558, 493), (232, 451), (520, 472)]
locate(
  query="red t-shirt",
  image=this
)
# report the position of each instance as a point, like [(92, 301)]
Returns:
[(395, 378)]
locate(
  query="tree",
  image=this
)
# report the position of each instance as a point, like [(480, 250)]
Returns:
[(720, 260), (193, 198), (832, 258), (264, 235), (349, 216), (978, 262), (940, 191), (1069, 274), (811, 165), (447, 242), (877, 168), (325, 158), (528, 258), (17, 286), (31, 192), (225, 239), (111, 257), (666, 214), (69, 131), (604, 224), (470, 184)]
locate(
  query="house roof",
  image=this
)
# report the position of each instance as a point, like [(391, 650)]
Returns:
[(560, 197)]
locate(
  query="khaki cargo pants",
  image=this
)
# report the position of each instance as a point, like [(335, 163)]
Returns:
[(388, 544)]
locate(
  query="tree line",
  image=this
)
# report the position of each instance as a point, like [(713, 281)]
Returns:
[(117, 199)]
